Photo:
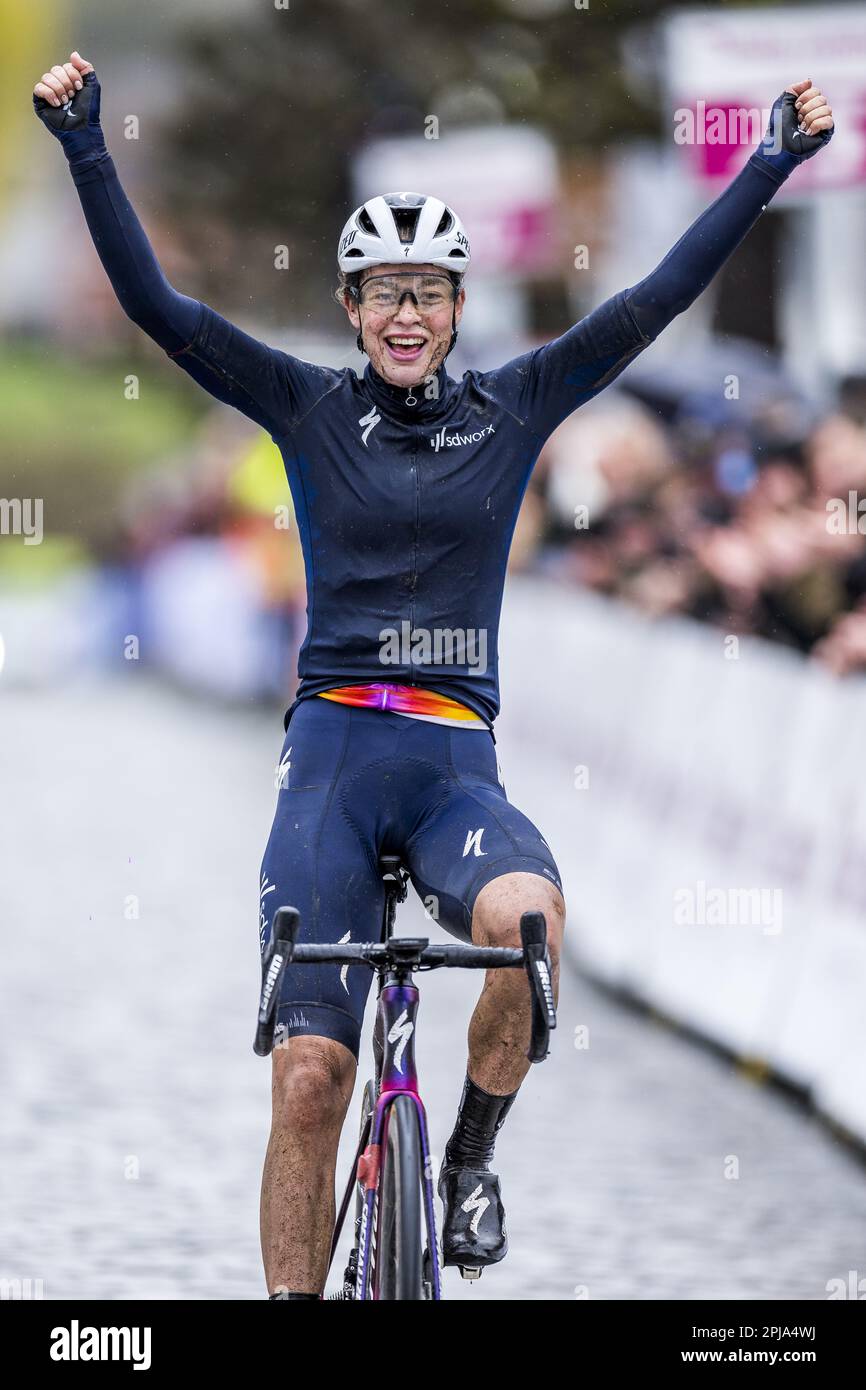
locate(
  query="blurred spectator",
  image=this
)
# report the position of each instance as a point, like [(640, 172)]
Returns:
[(749, 522)]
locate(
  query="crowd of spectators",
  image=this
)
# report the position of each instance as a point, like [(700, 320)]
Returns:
[(749, 520)]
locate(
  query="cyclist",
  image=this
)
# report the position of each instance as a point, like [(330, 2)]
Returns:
[(406, 486)]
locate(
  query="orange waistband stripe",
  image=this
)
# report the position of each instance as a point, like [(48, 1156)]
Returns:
[(402, 699)]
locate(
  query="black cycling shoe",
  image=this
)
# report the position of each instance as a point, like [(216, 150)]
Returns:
[(473, 1226)]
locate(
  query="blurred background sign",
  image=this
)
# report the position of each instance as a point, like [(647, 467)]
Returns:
[(503, 181), (721, 63)]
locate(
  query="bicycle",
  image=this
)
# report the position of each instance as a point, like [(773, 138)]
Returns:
[(395, 1253)]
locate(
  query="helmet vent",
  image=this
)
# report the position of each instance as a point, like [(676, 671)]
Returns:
[(446, 222), (366, 223), (406, 221)]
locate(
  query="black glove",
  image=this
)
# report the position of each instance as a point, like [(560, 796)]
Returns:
[(76, 122), (785, 146)]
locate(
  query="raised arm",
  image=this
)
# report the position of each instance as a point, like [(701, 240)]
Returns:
[(236, 368), (545, 386), (701, 252)]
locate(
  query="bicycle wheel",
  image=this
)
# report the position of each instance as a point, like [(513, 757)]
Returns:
[(399, 1236)]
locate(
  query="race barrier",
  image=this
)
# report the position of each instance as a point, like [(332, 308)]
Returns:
[(706, 802)]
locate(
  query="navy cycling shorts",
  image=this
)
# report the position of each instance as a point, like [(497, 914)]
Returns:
[(354, 783)]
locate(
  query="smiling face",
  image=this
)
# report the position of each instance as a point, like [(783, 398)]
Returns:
[(406, 345)]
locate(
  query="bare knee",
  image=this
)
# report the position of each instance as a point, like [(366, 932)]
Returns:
[(313, 1079), (502, 902)]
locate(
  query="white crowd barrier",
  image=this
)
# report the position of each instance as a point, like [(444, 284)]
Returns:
[(707, 808)]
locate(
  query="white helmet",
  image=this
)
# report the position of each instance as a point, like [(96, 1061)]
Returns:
[(403, 227)]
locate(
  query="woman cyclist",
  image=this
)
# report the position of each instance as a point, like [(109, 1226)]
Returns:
[(406, 487)]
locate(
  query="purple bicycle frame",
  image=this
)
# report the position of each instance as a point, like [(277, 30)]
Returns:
[(395, 1031)]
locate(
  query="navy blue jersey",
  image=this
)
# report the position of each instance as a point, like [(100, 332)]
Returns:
[(406, 511), (406, 501)]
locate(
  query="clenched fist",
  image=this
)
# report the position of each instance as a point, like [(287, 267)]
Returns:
[(813, 111), (63, 81), (66, 100)]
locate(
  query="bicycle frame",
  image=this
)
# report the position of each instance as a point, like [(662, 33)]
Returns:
[(397, 1075)]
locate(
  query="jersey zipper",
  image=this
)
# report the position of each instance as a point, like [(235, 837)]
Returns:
[(415, 473)]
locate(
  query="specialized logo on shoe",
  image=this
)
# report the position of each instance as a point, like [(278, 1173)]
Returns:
[(344, 970), (400, 1033), (371, 421), (281, 776), (473, 843), (441, 440), (475, 1202)]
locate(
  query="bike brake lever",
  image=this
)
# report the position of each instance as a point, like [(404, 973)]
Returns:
[(284, 935), (536, 959)]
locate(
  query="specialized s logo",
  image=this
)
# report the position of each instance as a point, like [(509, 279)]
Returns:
[(371, 421), (475, 1202), (344, 970), (441, 440), (473, 843), (400, 1033), (281, 775)]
